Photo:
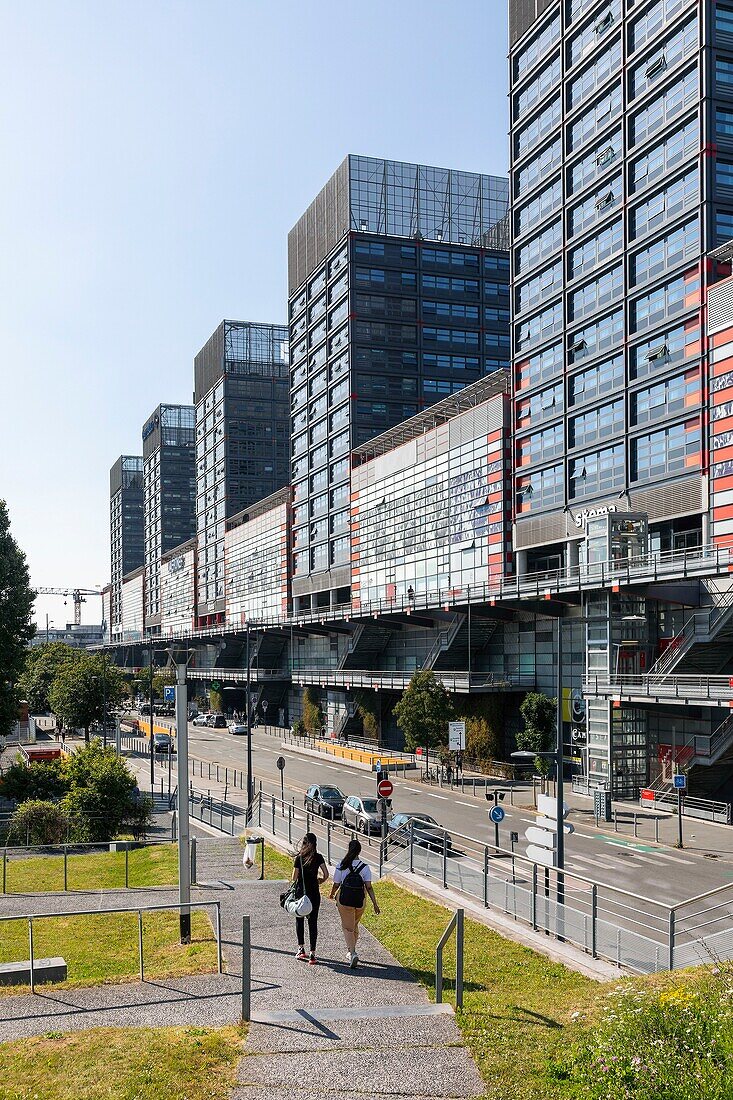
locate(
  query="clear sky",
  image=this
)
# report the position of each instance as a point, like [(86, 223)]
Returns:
[(154, 156)]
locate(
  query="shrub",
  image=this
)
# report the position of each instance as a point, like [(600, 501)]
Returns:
[(39, 781), (312, 712), (38, 822)]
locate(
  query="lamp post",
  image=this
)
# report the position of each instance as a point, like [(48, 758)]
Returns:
[(249, 733), (47, 626), (180, 659), (152, 748)]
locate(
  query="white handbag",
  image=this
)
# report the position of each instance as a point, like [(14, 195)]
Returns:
[(298, 907)]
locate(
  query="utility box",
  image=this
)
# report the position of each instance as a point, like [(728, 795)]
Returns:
[(602, 805)]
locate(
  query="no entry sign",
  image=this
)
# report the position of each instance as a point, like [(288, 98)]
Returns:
[(384, 788)]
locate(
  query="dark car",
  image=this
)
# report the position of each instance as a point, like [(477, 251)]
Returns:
[(162, 742), (425, 831), (217, 721), (325, 800)]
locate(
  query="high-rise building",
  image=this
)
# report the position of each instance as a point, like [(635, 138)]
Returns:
[(620, 121), (398, 296), (169, 473), (125, 530), (622, 186), (242, 437)]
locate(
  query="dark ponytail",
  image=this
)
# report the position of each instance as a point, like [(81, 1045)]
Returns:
[(353, 852)]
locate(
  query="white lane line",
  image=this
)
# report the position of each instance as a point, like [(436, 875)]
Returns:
[(609, 863), (331, 768), (442, 797), (665, 855)]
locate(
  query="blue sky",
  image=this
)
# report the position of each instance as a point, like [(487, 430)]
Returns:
[(155, 156)]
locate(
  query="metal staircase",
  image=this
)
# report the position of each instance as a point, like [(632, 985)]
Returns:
[(701, 627), (444, 641), (366, 644)]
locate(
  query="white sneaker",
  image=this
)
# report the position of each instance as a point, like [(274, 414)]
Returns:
[(353, 960)]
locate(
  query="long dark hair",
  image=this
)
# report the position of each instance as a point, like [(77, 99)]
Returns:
[(353, 852), (308, 848)]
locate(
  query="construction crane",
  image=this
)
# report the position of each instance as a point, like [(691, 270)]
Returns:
[(77, 594)]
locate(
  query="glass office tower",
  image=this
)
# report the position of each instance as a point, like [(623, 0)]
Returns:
[(621, 177), (125, 530), (169, 473), (242, 436), (622, 181), (398, 295)]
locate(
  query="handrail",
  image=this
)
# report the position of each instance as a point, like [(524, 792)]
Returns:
[(457, 922)]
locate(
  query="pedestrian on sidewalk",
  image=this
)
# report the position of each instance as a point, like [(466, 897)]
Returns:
[(309, 871), (459, 763), (352, 881)]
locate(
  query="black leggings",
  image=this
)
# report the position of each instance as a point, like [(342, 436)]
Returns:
[(312, 919)]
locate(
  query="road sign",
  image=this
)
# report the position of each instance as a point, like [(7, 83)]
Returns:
[(281, 762), (377, 765), (169, 694), (265, 705), (548, 806), (551, 824), (456, 736), (545, 856), (496, 813), (680, 782), (542, 837), (384, 788), (215, 685)]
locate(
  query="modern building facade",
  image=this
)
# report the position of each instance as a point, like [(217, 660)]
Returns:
[(257, 554), (125, 530), (169, 494), (398, 296), (621, 161), (178, 590), (242, 433), (133, 606)]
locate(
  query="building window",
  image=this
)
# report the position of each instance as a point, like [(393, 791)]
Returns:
[(595, 74), (670, 450), (664, 253), (597, 424), (596, 249), (663, 157), (664, 107), (596, 473), (545, 444), (598, 160), (681, 44), (667, 398), (539, 167), (540, 489), (596, 117), (596, 294), (668, 203)]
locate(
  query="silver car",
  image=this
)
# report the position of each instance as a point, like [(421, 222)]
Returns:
[(363, 814)]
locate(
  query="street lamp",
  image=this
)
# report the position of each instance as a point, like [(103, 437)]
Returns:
[(180, 659)]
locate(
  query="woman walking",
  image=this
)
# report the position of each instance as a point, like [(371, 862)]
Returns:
[(352, 881), (309, 871)]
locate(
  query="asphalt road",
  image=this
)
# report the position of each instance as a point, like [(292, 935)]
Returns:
[(615, 859)]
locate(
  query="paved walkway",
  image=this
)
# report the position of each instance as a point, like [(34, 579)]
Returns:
[(316, 1032)]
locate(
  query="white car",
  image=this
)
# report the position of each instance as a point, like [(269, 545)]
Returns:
[(201, 720), (237, 727)]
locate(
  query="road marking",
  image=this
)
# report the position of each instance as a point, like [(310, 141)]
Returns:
[(331, 768), (442, 797), (646, 849)]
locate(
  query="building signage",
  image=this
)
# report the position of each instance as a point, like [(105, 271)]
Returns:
[(150, 427), (175, 565), (582, 518)]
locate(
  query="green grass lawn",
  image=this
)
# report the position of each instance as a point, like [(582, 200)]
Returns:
[(122, 1064), (154, 865)]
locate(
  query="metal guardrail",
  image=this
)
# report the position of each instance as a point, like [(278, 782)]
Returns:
[(456, 922), (703, 689), (139, 909), (65, 851)]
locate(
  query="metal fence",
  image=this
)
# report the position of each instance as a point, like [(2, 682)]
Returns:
[(68, 867), (32, 918), (630, 930)]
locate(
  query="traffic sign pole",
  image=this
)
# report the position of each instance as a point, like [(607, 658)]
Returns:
[(680, 782), (384, 790)]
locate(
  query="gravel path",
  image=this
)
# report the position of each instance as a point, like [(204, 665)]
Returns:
[(317, 1031)]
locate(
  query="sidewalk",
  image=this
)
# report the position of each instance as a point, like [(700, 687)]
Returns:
[(310, 1025)]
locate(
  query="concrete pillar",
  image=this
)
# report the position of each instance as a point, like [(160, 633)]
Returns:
[(520, 562)]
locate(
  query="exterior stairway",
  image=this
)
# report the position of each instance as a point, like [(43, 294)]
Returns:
[(691, 645), (456, 658), (444, 641), (366, 644)]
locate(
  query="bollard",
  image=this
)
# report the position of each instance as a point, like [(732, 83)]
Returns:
[(328, 842), (656, 829), (127, 867), (5, 869), (30, 948), (445, 860), (66, 867), (140, 942), (290, 824), (246, 971), (634, 823), (615, 821), (219, 960), (273, 815), (486, 876), (594, 918), (193, 860)]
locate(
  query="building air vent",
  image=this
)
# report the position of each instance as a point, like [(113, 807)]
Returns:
[(720, 306), (678, 498), (538, 530)]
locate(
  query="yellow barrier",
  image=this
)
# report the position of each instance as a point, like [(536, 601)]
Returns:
[(362, 757), (144, 728)]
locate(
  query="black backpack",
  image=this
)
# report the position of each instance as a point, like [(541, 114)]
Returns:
[(352, 890)]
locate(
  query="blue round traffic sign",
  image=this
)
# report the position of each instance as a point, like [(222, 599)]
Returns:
[(497, 815)]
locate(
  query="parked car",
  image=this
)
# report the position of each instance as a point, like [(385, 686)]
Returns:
[(364, 814), (325, 800), (201, 720), (425, 831), (237, 727), (217, 721), (162, 742)]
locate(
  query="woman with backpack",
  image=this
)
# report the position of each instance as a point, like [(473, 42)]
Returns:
[(352, 881), (309, 871)]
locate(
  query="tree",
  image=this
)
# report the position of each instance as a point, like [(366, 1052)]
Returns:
[(41, 666), (101, 792), (482, 742), (540, 716), (16, 628), (161, 679), (38, 822), (424, 711), (312, 712), (83, 689), (216, 701)]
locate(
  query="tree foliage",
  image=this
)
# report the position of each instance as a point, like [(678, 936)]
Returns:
[(100, 792), (424, 711), (312, 712), (16, 627), (367, 703), (482, 741), (540, 715), (38, 822), (161, 679), (42, 664), (83, 688), (42, 781)]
